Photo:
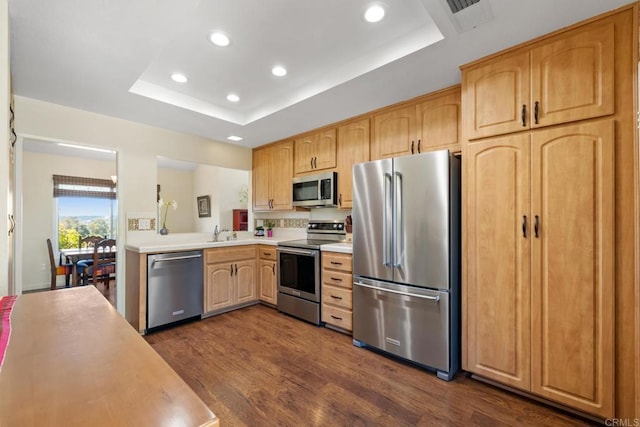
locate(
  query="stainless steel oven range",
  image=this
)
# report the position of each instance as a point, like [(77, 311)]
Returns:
[(299, 269)]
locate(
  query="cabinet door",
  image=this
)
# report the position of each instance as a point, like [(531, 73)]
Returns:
[(496, 294), (268, 286), (439, 122), (353, 147), (573, 76), (261, 179), (218, 292), (394, 133), (573, 278), (245, 281), (325, 150), (281, 174), (494, 93), (304, 153)]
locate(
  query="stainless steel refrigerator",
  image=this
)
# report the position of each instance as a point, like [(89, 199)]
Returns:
[(406, 256)]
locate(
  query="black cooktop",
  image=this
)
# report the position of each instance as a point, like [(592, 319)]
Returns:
[(306, 243)]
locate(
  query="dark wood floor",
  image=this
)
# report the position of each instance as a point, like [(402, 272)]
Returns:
[(258, 367)]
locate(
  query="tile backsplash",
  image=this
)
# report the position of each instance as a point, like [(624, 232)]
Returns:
[(282, 222)]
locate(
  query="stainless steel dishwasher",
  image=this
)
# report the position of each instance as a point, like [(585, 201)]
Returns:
[(174, 287)]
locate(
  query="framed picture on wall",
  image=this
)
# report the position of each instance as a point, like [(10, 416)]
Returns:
[(204, 206)]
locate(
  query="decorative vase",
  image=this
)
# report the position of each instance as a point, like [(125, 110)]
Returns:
[(269, 233), (164, 231)]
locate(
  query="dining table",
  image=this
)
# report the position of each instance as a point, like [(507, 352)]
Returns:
[(73, 256)]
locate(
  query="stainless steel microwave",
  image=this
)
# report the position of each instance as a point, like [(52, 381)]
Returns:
[(316, 191)]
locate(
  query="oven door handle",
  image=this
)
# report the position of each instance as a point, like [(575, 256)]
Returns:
[(298, 251)]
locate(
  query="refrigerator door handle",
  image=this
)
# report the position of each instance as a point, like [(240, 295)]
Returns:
[(399, 222), (435, 298), (386, 177)]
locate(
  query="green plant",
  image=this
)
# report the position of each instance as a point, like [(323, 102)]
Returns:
[(269, 224)]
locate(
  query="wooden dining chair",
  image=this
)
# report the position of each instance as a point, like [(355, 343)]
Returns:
[(60, 269), (88, 242), (104, 262)]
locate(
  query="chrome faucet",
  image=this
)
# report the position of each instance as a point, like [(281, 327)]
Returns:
[(217, 232)]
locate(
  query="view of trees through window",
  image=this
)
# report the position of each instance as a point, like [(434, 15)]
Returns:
[(85, 216)]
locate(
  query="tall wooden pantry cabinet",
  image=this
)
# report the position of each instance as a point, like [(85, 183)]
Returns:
[(548, 216)]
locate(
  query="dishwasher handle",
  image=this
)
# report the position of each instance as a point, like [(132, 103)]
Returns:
[(175, 258)]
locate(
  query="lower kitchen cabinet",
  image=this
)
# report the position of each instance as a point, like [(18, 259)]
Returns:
[(336, 290), (230, 277), (540, 281), (267, 265)]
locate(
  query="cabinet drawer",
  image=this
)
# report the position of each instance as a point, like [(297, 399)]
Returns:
[(229, 254), (337, 317), (336, 278), (336, 261), (267, 252), (339, 297)]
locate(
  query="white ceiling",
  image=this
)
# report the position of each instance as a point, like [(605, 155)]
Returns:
[(115, 57)]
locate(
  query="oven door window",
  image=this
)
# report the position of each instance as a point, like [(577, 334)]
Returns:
[(304, 191), (297, 272)]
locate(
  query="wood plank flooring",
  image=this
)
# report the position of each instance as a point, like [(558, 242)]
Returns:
[(258, 367)]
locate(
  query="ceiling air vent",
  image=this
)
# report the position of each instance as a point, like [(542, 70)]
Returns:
[(458, 5)]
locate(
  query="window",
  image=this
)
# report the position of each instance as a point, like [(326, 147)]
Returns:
[(86, 207)]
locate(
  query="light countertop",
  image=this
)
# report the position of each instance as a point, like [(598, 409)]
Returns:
[(345, 248), (170, 246), (196, 241)]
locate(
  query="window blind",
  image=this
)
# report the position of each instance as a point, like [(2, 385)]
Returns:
[(77, 186)]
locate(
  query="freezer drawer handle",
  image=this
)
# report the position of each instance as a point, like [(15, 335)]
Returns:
[(429, 297), (175, 258)]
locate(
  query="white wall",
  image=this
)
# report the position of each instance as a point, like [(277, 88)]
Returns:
[(177, 184), (206, 181), (137, 145), (229, 195), (39, 205), (4, 145), (223, 186)]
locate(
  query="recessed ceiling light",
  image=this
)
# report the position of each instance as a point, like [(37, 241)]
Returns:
[(219, 39), (233, 97), (374, 13), (279, 71), (234, 138), (180, 78)]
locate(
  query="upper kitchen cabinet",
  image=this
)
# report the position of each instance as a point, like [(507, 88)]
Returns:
[(438, 121), (429, 123), (564, 78), (272, 174), (353, 147), (315, 151)]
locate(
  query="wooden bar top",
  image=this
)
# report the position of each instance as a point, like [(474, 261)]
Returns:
[(72, 360)]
